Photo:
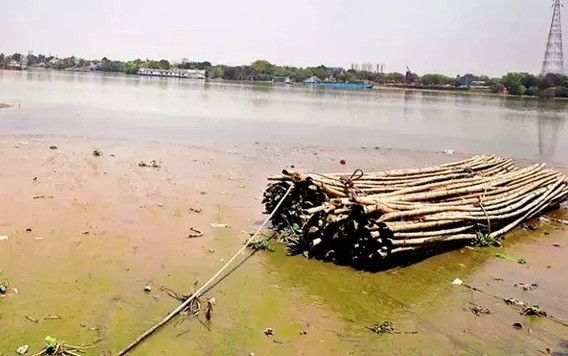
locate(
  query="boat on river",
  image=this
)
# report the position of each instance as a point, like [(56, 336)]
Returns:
[(339, 85)]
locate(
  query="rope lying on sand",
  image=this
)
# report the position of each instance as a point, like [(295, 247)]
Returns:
[(368, 219), (201, 290)]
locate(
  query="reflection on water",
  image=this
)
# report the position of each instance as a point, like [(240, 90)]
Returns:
[(548, 127), (188, 111)]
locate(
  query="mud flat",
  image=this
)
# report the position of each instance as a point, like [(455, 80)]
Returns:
[(86, 234)]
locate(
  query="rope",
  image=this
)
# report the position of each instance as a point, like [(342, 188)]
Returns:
[(184, 305), (349, 182)]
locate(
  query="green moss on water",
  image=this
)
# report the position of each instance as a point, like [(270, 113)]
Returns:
[(289, 294)]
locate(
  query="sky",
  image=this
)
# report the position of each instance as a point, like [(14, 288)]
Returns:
[(430, 36)]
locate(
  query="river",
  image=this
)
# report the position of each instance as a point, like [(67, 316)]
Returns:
[(83, 236), (204, 113)]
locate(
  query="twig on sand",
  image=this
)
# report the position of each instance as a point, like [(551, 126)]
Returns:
[(194, 233)]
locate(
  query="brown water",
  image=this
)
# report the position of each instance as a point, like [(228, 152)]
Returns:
[(198, 112), (138, 219)]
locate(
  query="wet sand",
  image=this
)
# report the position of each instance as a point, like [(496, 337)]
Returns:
[(102, 228)]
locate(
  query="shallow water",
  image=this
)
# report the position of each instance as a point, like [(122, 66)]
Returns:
[(95, 281), (199, 112)]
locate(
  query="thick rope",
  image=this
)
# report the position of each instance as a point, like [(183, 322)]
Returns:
[(184, 305)]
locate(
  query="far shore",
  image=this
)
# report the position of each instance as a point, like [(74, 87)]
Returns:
[(449, 90)]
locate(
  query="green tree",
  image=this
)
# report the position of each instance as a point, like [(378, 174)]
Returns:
[(131, 68), (164, 64), (17, 57), (553, 80), (436, 79), (530, 80), (216, 72), (32, 59), (514, 83), (495, 86), (261, 65), (395, 77)]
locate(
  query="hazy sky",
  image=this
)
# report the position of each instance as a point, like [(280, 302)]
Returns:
[(445, 36)]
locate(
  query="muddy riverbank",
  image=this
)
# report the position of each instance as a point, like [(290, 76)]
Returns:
[(102, 228)]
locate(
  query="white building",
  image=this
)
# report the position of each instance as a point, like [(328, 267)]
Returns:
[(173, 73)]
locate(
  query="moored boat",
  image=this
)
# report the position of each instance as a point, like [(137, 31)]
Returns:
[(339, 85)]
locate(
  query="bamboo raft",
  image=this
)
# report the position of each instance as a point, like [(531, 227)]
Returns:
[(370, 220)]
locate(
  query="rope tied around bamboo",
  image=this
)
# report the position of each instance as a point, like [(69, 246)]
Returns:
[(368, 219)]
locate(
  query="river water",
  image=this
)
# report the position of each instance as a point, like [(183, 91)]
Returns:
[(204, 113)]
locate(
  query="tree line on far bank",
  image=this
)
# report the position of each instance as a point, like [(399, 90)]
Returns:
[(547, 86)]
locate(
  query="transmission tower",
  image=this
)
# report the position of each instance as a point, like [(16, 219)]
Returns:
[(554, 56)]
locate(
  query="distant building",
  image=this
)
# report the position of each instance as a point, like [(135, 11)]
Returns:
[(367, 67), (312, 79), (285, 80), (15, 65)]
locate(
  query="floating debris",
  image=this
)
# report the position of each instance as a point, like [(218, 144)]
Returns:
[(150, 164), (513, 301), (194, 233), (209, 308), (457, 282), (32, 319), (52, 147), (560, 221), (51, 317), (97, 152), (261, 245), (526, 286), (42, 197), (526, 309), (22, 349), (506, 257), (59, 348), (518, 326), (383, 328), (147, 288), (533, 310), (218, 225), (479, 309), (195, 210), (268, 331), (3, 237)]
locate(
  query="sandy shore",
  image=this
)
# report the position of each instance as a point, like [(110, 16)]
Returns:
[(86, 234), (4, 106)]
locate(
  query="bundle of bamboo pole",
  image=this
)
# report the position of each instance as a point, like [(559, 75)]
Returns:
[(369, 219)]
